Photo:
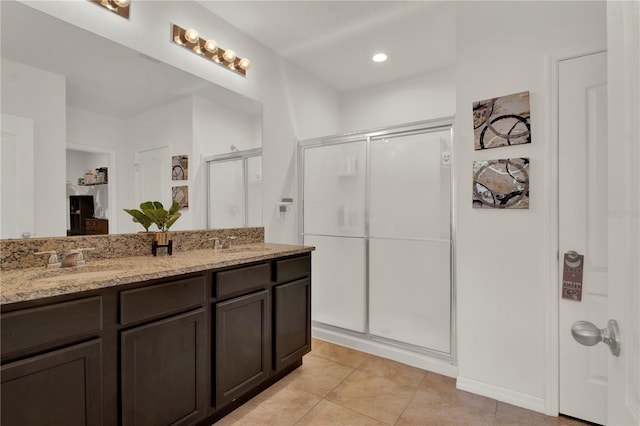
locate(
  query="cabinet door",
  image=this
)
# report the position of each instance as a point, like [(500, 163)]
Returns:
[(163, 371), (62, 387), (242, 345), (292, 316)]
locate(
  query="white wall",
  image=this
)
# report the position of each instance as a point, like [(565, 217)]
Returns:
[(421, 97), (271, 81), (40, 95), (503, 260), (216, 127)]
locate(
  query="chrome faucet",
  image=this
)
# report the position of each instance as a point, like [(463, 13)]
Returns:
[(227, 242), (53, 258), (216, 243), (70, 258), (222, 244)]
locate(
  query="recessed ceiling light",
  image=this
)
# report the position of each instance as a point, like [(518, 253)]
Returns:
[(379, 57)]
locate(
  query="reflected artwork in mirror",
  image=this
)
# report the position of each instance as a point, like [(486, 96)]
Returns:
[(95, 104)]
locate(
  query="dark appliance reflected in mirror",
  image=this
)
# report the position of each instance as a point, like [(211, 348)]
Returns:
[(80, 209)]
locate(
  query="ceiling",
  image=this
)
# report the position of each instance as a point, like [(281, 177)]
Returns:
[(335, 40), (332, 40)]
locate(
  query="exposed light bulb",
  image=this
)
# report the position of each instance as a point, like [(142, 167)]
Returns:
[(122, 3), (245, 63), (229, 55), (211, 46), (191, 35), (379, 57)]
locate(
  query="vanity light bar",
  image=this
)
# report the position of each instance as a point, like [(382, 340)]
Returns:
[(121, 7), (190, 39)]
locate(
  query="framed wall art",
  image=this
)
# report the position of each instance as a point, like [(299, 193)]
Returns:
[(501, 184), (180, 194), (502, 121), (180, 167)]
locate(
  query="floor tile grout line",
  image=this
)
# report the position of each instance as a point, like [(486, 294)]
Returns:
[(408, 402), (358, 412), (308, 411), (339, 383), (359, 367), (336, 361)]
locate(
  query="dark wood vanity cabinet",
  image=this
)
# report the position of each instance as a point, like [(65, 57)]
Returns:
[(52, 364), (291, 311), (163, 352), (61, 387), (176, 351), (163, 371), (241, 331), (242, 345)]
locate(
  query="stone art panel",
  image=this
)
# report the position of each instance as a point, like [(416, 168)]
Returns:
[(501, 184), (502, 121)]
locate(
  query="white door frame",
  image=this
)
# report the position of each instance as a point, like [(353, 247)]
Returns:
[(552, 305), (623, 40)]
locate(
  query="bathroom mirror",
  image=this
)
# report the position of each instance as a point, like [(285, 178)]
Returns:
[(95, 105)]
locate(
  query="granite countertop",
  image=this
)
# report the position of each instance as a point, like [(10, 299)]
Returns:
[(21, 285)]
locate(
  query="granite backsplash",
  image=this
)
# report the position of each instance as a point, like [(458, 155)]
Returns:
[(18, 254)]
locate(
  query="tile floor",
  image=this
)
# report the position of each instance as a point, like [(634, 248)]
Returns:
[(341, 386)]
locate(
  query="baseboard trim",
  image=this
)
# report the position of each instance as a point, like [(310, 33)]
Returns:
[(373, 347), (501, 394)]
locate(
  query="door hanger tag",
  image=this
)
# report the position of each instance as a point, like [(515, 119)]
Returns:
[(572, 268)]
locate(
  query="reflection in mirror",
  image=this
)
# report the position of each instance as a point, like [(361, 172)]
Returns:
[(97, 106), (234, 189)]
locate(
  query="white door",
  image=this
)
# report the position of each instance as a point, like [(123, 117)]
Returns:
[(623, 40), (16, 177), (152, 176), (583, 226), (621, 207)]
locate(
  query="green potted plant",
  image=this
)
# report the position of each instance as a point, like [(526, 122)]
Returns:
[(153, 212)]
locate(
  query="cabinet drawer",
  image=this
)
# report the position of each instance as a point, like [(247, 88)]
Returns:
[(47, 326), (161, 299), (241, 280), (291, 269)]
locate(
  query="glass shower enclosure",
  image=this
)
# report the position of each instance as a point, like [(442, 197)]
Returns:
[(234, 189), (377, 206)]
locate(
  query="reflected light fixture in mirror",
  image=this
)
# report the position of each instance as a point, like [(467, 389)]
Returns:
[(190, 39), (121, 7)]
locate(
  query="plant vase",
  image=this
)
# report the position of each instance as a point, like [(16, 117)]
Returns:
[(162, 239)]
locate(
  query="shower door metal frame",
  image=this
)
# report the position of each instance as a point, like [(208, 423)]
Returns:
[(428, 126), (232, 156)]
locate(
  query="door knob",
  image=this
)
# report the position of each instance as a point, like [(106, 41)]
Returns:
[(588, 334)]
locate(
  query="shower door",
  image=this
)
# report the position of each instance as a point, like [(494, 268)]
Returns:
[(334, 222), (377, 207), (409, 239)]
